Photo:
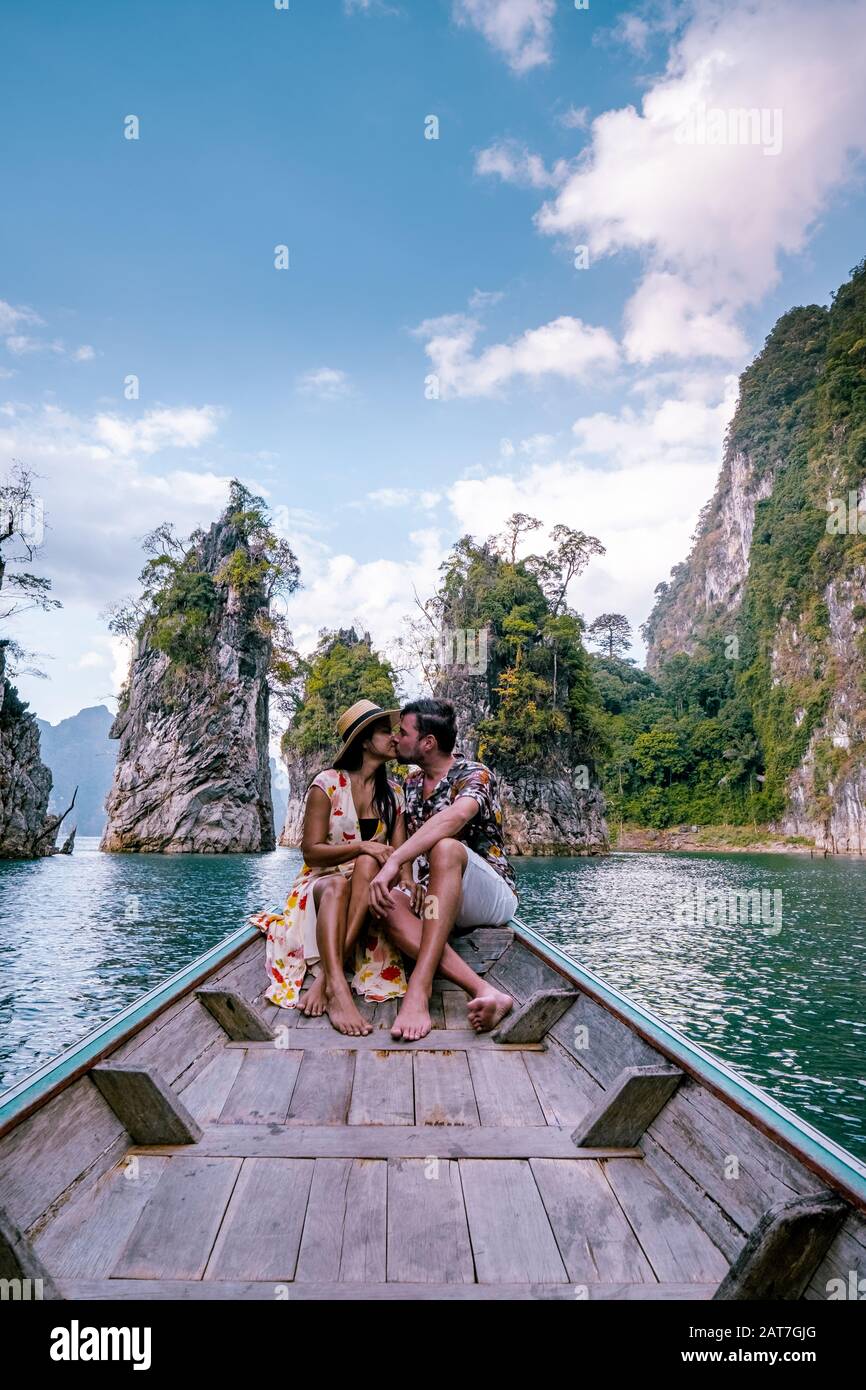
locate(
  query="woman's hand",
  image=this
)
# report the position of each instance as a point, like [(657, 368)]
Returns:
[(378, 851)]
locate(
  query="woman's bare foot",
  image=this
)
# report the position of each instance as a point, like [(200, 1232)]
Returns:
[(314, 1003), (488, 1008), (343, 1014), (413, 1020)]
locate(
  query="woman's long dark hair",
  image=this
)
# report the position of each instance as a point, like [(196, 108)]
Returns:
[(383, 796)]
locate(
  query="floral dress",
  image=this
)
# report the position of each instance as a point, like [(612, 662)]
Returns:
[(292, 944)]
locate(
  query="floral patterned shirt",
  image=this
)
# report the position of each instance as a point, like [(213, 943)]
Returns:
[(483, 833)]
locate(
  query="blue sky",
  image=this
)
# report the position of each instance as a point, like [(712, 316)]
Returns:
[(596, 396)]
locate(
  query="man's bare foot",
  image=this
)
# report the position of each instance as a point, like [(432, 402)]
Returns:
[(488, 1009), (343, 1014), (413, 1020), (314, 1003)]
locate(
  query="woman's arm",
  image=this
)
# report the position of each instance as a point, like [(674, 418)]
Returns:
[(314, 841)]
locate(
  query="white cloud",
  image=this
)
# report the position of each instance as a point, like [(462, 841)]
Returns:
[(514, 163), (22, 345), (402, 497), (637, 480), (326, 383), (484, 299), (565, 348), (89, 660), (12, 315), (85, 353), (179, 427), (520, 30), (575, 118), (376, 594), (713, 220)]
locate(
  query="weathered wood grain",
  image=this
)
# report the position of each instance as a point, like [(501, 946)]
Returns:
[(628, 1106), (595, 1240), (262, 1091), (206, 1094), (239, 1019), (533, 1019), (428, 1238), (211, 1290), (676, 1246), (145, 1104), (784, 1250), (87, 1236), (503, 1091), (75, 1134), (511, 1237), (444, 1094), (174, 1235), (565, 1091), (323, 1089), (383, 1091), (392, 1141), (345, 1227), (261, 1229)]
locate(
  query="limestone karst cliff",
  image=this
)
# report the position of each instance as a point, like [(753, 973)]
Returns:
[(778, 569), (192, 772), (27, 831)]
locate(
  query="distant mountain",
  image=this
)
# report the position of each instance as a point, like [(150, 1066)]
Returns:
[(79, 753)]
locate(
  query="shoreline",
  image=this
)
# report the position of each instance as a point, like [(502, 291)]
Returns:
[(721, 839)]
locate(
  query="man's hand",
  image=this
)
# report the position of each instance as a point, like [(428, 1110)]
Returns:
[(380, 888)]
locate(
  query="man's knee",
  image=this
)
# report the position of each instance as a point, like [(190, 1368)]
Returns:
[(448, 854)]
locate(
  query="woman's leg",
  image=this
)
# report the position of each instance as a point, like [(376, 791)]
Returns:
[(365, 870), (366, 867), (332, 903)]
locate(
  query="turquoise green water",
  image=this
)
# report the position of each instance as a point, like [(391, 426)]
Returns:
[(783, 999)]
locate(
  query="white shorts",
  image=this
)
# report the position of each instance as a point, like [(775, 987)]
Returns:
[(487, 900)]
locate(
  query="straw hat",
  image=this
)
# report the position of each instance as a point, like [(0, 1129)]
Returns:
[(353, 721)]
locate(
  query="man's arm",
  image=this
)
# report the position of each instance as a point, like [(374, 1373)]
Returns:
[(443, 825)]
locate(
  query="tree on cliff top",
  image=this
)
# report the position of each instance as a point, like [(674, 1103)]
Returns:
[(342, 669), (181, 596), (543, 711), (21, 527)]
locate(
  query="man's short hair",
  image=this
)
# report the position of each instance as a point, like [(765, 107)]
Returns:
[(435, 717)]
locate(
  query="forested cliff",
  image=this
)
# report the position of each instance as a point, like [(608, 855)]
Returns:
[(762, 630)]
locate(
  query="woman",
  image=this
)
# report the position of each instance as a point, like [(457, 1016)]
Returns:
[(353, 818)]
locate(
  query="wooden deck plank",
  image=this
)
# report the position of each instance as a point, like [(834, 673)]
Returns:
[(511, 1237), (390, 1141), (601, 1042), (231, 1292), (323, 1089), (435, 1041), (383, 1092), (87, 1236), (262, 1091), (595, 1240), (565, 1091), (428, 1237), (174, 1235), (261, 1230), (455, 1002), (345, 1228), (45, 1154), (676, 1246), (206, 1094), (444, 1094), (504, 1093)]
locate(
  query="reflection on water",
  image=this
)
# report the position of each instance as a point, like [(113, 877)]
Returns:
[(81, 937)]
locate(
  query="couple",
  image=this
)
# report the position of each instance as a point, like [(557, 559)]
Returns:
[(390, 869)]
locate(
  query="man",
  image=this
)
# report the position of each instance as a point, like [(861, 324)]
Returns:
[(454, 829)]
